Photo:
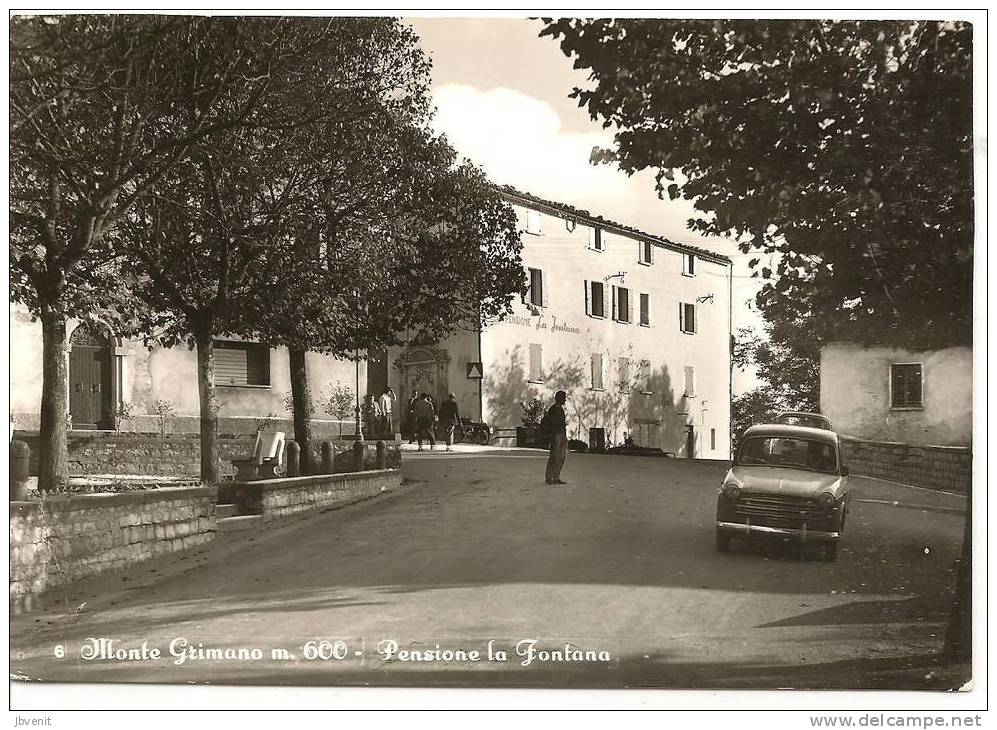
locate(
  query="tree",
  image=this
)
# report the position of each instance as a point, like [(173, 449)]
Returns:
[(416, 249), (95, 123), (840, 151)]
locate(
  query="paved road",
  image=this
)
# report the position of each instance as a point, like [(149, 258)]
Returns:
[(474, 547)]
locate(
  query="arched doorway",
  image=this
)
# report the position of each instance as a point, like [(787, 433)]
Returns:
[(423, 370), (90, 378)]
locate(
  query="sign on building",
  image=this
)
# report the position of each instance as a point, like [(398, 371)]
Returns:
[(474, 371)]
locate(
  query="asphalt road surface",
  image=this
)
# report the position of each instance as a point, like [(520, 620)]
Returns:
[(619, 566)]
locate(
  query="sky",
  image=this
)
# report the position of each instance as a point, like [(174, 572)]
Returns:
[(502, 100)]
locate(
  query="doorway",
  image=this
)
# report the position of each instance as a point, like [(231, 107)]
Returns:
[(690, 442), (90, 357)]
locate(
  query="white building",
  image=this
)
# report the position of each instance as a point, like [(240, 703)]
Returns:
[(890, 394), (634, 327)]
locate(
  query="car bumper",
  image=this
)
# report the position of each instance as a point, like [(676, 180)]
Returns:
[(803, 534)]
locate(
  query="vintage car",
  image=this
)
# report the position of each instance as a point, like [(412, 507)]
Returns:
[(800, 418), (785, 481)]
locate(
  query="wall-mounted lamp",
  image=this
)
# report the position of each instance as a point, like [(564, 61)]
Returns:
[(620, 274), (704, 299)]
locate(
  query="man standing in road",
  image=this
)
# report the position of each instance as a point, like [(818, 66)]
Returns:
[(555, 426), (449, 417)]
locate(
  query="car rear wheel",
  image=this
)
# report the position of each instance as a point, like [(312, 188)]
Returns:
[(723, 541)]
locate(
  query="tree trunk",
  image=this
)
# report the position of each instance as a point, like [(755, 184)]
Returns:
[(53, 450), (209, 407), (302, 406)]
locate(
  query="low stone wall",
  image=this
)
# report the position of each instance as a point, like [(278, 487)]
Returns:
[(276, 498), (179, 454), (948, 468), (65, 538)]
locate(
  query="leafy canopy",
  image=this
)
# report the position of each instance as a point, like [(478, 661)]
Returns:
[(840, 151)]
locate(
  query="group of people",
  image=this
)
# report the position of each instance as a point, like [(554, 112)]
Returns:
[(377, 415), (423, 416)]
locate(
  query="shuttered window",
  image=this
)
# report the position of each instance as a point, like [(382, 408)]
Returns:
[(689, 264), (690, 380), (595, 299), (646, 255), (645, 309), (687, 318), (624, 383), (645, 376), (597, 379), (242, 363), (533, 222), (622, 305), (536, 362), (537, 295), (595, 239), (905, 385)]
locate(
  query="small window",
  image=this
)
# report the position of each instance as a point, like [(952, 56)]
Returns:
[(595, 238), (687, 318), (713, 439), (533, 224), (622, 305), (242, 364), (690, 380), (537, 295), (645, 310), (646, 255), (536, 362), (905, 385), (597, 379), (689, 264), (644, 381), (595, 299), (624, 383)]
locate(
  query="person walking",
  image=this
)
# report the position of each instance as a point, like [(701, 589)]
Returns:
[(410, 417), (387, 404), (425, 415), (449, 417), (554, 425)]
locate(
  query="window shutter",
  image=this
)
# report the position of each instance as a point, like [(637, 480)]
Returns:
[(630, 307), (615, 301), (536, 361), (588, 303), (593, 237), (681, 317), (604, 307), (650, 253), (692, 317), (543, 289), (690, 380)]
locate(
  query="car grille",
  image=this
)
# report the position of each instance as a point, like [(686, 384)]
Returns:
[(777, 511)]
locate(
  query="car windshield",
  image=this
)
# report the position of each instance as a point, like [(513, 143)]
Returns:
[(808, 421), (796, 453)]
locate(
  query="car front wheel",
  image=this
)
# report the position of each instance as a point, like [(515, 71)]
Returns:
[(723, 541)]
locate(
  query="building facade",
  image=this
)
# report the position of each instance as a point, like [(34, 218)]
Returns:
[(896, 395), (635, 328), (159, 385)]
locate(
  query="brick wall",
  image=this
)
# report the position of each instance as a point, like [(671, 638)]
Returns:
[(178, 454), (65, 538), (934, 467), (276, 498)]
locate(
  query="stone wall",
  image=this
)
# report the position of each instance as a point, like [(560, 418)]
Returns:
[(276, 498), (948, 468), (178, 454), (66, 538)]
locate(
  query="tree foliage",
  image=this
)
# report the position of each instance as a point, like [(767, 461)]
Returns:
[(841, 152)]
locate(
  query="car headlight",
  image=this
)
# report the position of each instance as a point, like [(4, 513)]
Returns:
[(826, 500), (732, 491)]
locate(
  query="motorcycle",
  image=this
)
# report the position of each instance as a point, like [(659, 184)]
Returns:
[(466, 430)]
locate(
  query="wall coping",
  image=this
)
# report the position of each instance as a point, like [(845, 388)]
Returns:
[(856, 439), (69, 502), (270, 485)]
